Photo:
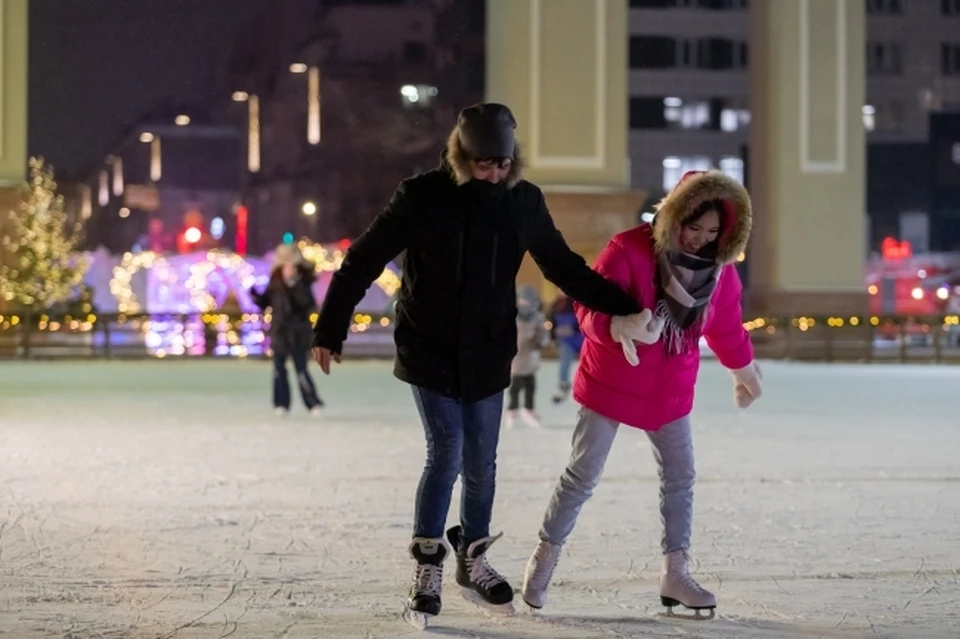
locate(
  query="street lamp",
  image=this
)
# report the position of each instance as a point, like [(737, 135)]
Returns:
[(253, 128), (309, 208), (313, 106)]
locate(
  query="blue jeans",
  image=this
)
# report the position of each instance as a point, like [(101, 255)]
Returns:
[(461, 439), (281, 385), (567, 357)]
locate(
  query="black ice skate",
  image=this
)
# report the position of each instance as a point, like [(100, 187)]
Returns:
[(480, 583), (424, 600), (563, 391)]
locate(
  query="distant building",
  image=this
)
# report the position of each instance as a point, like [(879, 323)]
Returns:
[(356, 96), (171, 183)]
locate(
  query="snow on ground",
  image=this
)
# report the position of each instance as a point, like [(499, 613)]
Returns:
[(164, 499)]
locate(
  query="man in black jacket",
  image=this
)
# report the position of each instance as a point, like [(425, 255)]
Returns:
[(465, 227)]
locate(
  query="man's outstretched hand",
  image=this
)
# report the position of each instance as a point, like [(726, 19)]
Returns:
[(323, 356)]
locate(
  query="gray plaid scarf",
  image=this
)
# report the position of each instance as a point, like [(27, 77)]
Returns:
[(686, 284)]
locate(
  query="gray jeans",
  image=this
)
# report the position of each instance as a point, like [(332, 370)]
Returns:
[(592, 440)]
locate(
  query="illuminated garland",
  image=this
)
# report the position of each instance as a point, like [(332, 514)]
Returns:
[(241, 275)]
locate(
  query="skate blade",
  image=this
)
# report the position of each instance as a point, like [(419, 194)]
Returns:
[(690, 614), (505, 610), (419, 620)]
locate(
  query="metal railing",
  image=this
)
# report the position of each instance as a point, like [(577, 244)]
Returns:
[(27, 336)]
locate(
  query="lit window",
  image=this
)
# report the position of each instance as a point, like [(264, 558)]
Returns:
[(733, 167), (674, 167), (686, 115), (869, 117), (734, 119)]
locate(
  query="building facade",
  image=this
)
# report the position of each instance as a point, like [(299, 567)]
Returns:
[(689, 84), (363, 96)]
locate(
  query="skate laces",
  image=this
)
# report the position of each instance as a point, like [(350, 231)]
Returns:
[(546, 557), (682, 571), (481, 572), (428, 579)]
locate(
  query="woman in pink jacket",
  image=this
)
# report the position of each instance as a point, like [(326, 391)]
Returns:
[(641, 370)]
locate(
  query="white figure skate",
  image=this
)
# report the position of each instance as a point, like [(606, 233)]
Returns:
[(678, 588)]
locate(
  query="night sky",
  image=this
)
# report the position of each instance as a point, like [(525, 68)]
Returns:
[(97, 65)]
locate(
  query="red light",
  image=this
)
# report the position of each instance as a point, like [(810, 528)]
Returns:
[(344, 244), (242, 213), (892, 249)]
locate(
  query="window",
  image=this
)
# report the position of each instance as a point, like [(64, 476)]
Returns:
[(722, 5), (869, 117), (884, 7), (674, 167), (950, 7), (692, 113), (883, 58), (721, 53), (689, 114), (653, 52), (647, 113), (950, 58), (733, 167), (734, 119), (885, 116)]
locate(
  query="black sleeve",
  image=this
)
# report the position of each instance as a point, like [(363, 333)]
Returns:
[(262, 300), (385, 238), (570, 272)]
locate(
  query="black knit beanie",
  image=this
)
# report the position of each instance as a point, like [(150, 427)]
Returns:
[(486, 131)]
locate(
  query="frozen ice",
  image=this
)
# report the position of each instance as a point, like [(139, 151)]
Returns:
[(165, 499)]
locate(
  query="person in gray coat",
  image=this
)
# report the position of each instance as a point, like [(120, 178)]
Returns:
[(532, 336)]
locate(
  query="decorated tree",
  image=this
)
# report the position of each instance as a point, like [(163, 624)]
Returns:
[(41, 265)]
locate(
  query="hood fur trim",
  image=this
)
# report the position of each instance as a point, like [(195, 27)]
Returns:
[(687, 195), (460, 165)]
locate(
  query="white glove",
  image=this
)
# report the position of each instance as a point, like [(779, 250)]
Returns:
[(640, 327), (746, 384)]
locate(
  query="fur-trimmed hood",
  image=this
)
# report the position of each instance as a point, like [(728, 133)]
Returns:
[(694, 188), (456, 158)]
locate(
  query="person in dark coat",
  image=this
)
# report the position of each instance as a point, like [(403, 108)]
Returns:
[(290, 297), (465, 227)]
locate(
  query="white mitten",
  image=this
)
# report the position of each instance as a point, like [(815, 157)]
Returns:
[(746, 384), (640, 327)]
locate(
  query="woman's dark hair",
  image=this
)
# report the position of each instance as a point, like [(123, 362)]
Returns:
[(710, 250)]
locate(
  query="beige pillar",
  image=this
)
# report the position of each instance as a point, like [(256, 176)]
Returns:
[(807, 156), (13, 105), (561, 66)]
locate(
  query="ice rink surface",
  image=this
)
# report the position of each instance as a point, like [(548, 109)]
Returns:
[(164, 499)]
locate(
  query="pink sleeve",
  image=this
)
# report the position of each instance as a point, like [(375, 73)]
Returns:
[(725, 333), (613, 265)]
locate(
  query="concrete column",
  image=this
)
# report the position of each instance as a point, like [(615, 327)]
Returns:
[(13, 106), (561, 66), (13, 92), (807, 156)]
